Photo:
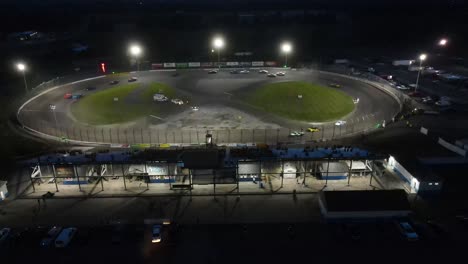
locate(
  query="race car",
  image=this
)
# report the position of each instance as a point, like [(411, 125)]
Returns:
[(262, 71), (177, 101), (280, 74), (296, 134), (76, 96), (67, 96), (340, 123), (132, 79), (244, 72), (313, 129), (334, 85), (195, 108), (235, 71), (212, 71), (271, 75), (113, 82)]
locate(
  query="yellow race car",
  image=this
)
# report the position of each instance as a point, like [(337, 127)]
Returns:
[(334, 85), (313, 129)]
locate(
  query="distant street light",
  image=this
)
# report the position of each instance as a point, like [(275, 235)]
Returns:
[(286, 49), (135, 51), (218, 44), (443, 42), (22, 68), (422, 57)]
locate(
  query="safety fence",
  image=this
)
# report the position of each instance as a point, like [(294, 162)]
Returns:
[(144, 134)]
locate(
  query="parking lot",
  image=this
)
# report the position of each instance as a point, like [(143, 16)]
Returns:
[(233, 243)]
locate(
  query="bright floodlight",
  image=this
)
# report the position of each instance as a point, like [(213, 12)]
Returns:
[(218, 43), (135, 50), (286, 47), (21, 66), (422, 57), (443, 42)]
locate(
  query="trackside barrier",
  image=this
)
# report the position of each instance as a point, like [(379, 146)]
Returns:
[(169, 65), (159, 65)]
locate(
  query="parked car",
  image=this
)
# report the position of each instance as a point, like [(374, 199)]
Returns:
[(51, 235), (156, 234), (67, 96), (113, 82), (407, 231), (427, 100), (4, 234), (132, 79), (416, 94), (402, 87), (65, 237)]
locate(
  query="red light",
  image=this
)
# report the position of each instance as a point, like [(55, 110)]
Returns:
[(103, 67)]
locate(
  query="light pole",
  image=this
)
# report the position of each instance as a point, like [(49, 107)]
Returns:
[(135, 51), (22, 68), (286, 49), (52, 108), (422, 57), (218, 44)]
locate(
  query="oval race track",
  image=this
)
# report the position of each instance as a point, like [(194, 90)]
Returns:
[(222, 114)]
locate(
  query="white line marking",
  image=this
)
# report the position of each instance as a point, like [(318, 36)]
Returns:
[(228, 93), (157, 117)]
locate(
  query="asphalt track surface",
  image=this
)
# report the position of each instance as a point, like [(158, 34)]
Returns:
[(222, 113)]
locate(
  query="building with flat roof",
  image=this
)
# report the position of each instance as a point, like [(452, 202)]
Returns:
[(340, 205)]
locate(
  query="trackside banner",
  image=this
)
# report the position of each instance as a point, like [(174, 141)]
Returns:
[(232, 63), (206, 64), (270, 63), (181, 65), (169, 65), (194, 64), (245, 63), (155, 66), (257, 63)]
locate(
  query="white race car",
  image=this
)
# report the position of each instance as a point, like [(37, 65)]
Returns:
[(271, 75), (280, 74), (177, 101), (262, 71), (195, 108), (296, 134), (340, 123)]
